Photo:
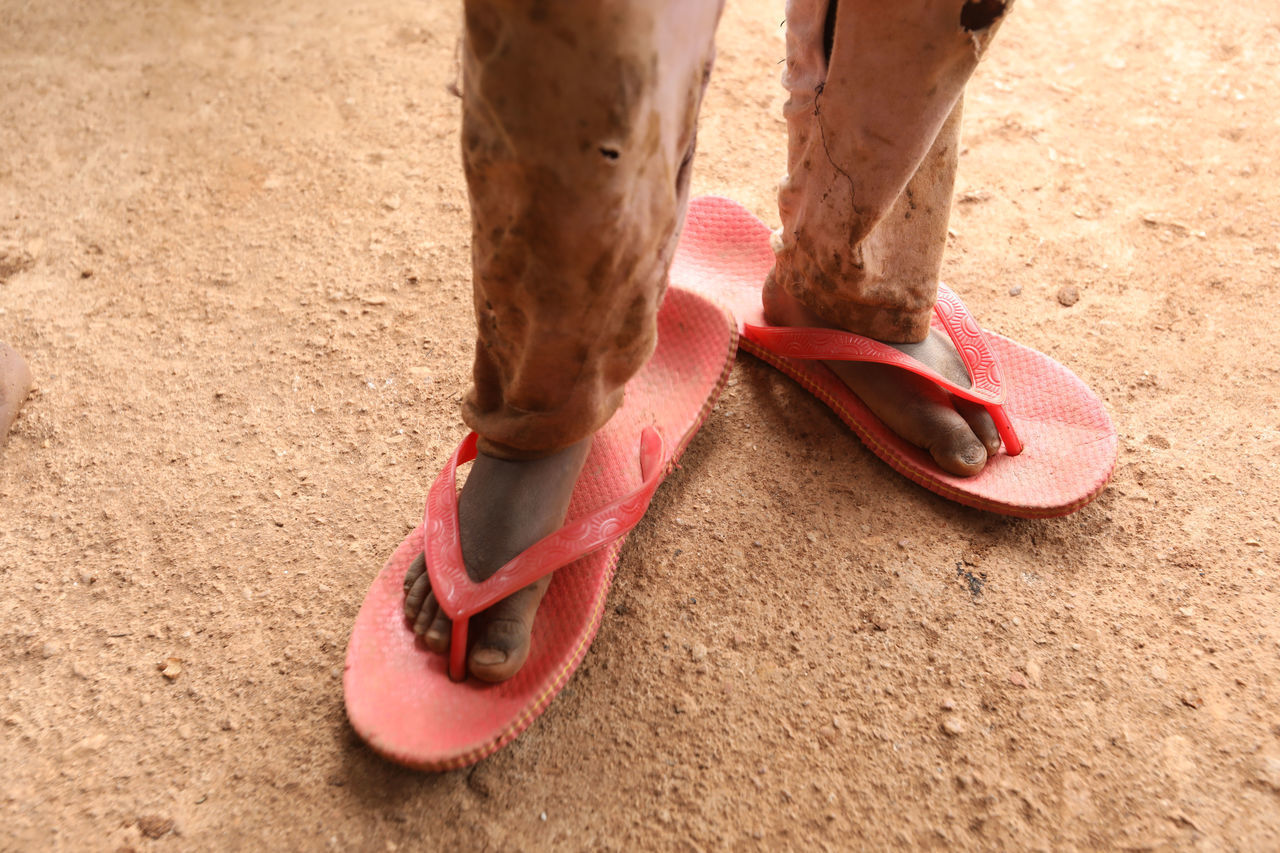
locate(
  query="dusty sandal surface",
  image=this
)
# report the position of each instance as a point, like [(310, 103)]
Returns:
[(1059, 443), (400, 697)]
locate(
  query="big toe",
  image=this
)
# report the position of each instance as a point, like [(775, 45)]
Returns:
[(957, 449), (502, 636)]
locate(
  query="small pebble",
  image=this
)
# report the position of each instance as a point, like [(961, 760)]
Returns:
[(478, 780), (952, 727), (50, 649), (93, 743), (1016, 290), (1068, 295), (1267, 771), (154, 826), (1032, 669)]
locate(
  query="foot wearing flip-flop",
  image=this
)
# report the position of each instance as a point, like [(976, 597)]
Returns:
[(15, 384), (958, 434), (504, 507)]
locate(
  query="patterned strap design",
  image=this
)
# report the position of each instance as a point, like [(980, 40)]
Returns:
[(835, 345), (461, 597)]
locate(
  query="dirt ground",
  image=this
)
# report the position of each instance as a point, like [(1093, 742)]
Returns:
[(234, 250)]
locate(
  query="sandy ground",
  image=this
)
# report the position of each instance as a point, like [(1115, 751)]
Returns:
[(235, 253)]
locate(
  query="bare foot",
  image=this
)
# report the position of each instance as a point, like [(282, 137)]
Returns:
[(960, 435), (504, 508), (15, 383)]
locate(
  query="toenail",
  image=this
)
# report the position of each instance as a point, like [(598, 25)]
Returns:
[(489, 657)]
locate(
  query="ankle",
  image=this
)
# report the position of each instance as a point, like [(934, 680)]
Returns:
[(783, 308), (893, 326), (506, 505)]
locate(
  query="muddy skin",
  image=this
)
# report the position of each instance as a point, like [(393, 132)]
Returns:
[(960, 435), (15, 384), (505, 506)]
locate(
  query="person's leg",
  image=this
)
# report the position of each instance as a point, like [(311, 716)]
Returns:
[(578, 134), (15, 384), (874, 119)]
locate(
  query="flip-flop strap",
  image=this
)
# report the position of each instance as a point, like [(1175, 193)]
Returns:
[(460, 597), (987, 387)]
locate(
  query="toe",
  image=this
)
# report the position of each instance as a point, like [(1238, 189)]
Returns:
[(437, 629), (979, 420), (426, 614), (956, 449), (416, 570), (501, 651), (417, 586), (502, 635)]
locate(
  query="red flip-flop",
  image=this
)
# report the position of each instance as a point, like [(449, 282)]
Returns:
[(1059, 443), (400, 697)]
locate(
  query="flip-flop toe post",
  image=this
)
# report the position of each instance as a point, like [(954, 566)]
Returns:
[(1059, 445), (419, 708)]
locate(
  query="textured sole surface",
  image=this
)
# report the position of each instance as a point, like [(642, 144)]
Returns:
[(1070, 442), (399, 696)]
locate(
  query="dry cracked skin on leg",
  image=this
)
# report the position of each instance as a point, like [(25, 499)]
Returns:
[(15, 384)]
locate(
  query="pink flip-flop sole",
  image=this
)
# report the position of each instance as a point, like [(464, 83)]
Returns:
[(1069, 441), (399, 696)]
